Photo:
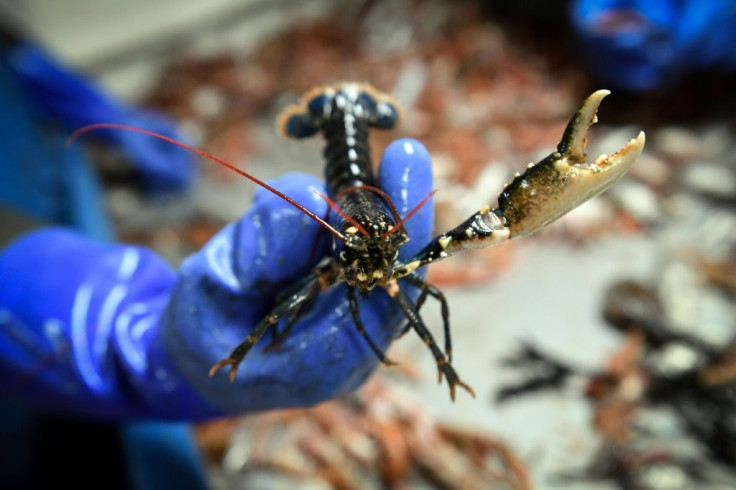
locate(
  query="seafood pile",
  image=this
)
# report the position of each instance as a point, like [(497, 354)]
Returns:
[(663, 403), (380, 437)]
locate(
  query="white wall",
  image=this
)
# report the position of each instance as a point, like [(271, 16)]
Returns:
[(86, 32), (124, 43)]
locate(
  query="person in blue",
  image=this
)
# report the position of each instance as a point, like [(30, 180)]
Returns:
[(92, 330), (645, 45), (112, 331)]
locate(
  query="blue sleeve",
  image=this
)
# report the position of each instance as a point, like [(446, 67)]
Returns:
[(74, 101), (645, 44), (111, 331)]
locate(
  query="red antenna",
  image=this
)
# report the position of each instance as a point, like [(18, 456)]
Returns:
[(93, 127), (414, 210), (339, 211)]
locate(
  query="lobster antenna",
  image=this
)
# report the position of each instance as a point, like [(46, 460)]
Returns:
[(93, 127), (339, 211), (414, 210)]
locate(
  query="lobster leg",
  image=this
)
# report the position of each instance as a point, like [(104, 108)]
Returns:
[(543, 193), (295, 316), (547, 373), (429, 290), (355, 312), (280, 336), (444, 367), (321, 279)]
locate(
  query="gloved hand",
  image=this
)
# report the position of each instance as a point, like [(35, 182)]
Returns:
[(111, 331)]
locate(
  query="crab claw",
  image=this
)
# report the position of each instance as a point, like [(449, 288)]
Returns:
[(563, 180)]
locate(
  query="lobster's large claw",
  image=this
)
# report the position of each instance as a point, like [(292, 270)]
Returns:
[(544, 192), (563, 180)]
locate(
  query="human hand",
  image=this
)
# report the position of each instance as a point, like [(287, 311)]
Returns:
[(110, 331), (229, 286)]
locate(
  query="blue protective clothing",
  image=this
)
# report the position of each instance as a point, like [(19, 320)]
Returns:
[(68, 98), (646, 44), (38, 176), (111, 331)]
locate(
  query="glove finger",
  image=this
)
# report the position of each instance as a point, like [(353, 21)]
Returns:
[(339, 358), (275, 242), (406, 175), (325, 354), (229, 285)]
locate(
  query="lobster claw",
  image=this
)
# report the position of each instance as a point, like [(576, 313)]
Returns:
[(563, 180), (544, 192)]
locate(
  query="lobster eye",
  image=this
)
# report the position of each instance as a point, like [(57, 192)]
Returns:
[(355, 242)]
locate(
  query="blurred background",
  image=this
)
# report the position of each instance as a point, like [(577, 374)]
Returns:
[(601, 349)]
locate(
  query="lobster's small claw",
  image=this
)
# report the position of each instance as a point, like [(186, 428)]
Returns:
[(563, 180)]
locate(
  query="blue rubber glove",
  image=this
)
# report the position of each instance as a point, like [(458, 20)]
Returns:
[(645, 44), (72, 100), (110, 331)]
